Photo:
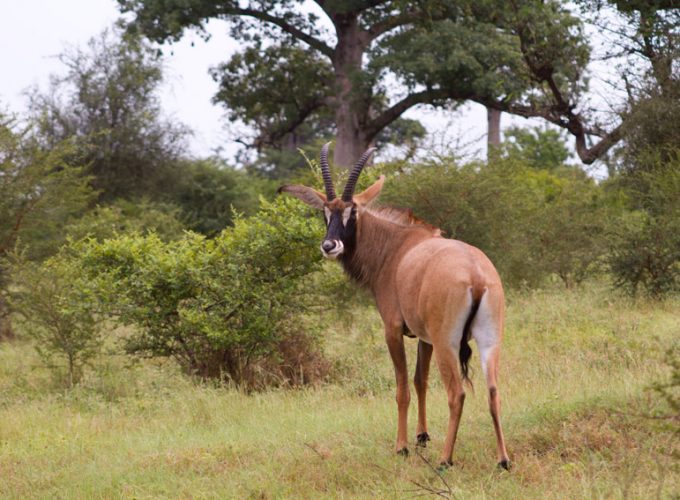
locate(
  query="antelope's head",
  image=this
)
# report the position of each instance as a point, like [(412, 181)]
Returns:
[(341, 214)]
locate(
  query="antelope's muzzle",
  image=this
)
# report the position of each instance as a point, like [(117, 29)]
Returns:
[(332, 249)]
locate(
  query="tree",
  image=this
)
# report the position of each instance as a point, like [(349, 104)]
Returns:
[(527, 59), (650, 128), (108, 101), (40, 190), (643, 48), (540, 148)]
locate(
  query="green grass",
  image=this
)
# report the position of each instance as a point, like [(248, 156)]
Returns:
[(575, 367)]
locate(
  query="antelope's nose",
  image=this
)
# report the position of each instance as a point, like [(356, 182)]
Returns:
[(328, 245)]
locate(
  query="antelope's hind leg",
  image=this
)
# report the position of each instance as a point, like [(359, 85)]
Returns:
[(487, 330), (420, 383), (446, 332), (447, 362)]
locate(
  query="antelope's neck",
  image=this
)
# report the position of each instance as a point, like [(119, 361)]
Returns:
[(379, 245)]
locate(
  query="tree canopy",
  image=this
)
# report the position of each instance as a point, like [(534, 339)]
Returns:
[(108, 103), (359, 65), (41, 189)]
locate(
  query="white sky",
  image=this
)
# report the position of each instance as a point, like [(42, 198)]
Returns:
[(33, 32)]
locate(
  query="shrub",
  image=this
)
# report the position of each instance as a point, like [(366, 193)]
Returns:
[(532, 223), (669, 389), (58, 310), (225, 307), (645, 243), (208, 192), (124, 216)]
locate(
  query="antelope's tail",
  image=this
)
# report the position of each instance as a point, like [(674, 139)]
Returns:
[(465, 351)]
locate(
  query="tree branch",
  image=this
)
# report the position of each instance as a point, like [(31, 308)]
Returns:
[(573, 124), (310, 40), (269, 137), (396, 110), (392, 22), (561, 113)]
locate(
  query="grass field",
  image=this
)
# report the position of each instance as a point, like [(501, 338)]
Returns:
[(574, 375)]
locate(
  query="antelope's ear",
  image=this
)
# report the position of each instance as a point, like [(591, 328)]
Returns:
[(371, 193), (310, 196)]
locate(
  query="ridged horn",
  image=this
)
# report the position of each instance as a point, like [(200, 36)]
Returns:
[(354, 175), (326, 172)]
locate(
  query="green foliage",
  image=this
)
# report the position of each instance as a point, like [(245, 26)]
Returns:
[(531, 223), (651, 132), (208, 193), (645, 250), (554, 45), (293, 71), (469, 56), (108, 101), (124, 216), (275, 89), (540, 148), (41, 188), (669, 389), (58, 311), (226, 307)]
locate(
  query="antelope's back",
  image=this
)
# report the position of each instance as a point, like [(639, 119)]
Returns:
[(438, 279)]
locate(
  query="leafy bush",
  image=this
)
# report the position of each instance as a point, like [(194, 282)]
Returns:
[(207, 194), (532, 223), (125, 216), (669, 389), (226, 307), (58, 310), (541, 148), (645, 251)]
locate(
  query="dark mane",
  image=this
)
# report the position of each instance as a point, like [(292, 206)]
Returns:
[(403, 217)]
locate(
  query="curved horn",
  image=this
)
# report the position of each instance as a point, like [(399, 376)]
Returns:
[(326, 172), (354, 175)]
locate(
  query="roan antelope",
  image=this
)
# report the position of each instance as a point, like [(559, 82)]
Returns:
[(442, 291)]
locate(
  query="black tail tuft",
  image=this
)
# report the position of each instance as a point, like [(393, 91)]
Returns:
[(465, 350)]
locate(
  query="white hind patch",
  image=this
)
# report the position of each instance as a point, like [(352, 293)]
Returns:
[(485, 331), (456, 335)]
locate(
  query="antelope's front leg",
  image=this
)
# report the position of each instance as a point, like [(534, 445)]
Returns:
[(395, 344)]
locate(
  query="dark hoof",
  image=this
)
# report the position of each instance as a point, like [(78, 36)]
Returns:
[(422, 439), (444, 466), (504, 464), (403, 452)]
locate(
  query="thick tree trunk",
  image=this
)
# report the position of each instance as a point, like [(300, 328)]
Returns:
[(350, 143), (352, 106), (493, 118)]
